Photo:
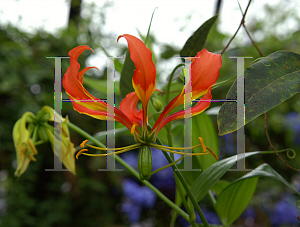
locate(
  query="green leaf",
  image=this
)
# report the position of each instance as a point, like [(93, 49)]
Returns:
[(126, 76), (195, 43), (265, 170), (202, 126), (267, 84), (213, 173), (219, 186), (234, 198), (100, 85)]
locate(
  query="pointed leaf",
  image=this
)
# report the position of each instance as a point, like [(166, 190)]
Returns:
[(126, 76), (212, 174), (219, 186), (233, 200), (195, 43), (267, 84), (203, 127)]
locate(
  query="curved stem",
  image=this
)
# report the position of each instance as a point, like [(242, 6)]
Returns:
[(131, 170), (186, 187), (242, 22), (169, 83)]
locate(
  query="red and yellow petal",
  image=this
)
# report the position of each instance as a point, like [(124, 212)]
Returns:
[(103, 115), (129, 107), (204, 73), (144, 77), (202, 105), (82, 100)]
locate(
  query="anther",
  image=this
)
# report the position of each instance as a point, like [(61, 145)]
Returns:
[(202, 144), (81, 151), (132, 129), (83, 143), (216, 157)]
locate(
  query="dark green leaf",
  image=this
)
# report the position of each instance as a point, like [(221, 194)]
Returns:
[(126, 76), (203, 127), (265, 87), (233, 200), (213, 173), (195, 43), (265, 170), (219, 186)]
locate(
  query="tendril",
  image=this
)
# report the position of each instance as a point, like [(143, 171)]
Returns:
[(262, 58), (292, 155)]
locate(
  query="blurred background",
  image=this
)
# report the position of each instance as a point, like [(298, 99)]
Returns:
[(31, 30)]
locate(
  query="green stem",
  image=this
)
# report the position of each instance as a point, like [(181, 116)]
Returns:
[(212, 198), (167, 166), (38, 142), (186, 187), (169, 83), (34, 137), (178, 188), (131, 170)]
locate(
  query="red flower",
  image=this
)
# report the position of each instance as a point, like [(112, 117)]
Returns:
[(204, 72)]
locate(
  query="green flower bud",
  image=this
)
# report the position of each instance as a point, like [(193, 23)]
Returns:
[(145, 162), (157, 104)]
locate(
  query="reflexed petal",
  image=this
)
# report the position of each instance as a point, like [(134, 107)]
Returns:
[(103, 115), (204, 72), (77, 51), (129, 107), (197, 109), (143, 80), (87, 103)]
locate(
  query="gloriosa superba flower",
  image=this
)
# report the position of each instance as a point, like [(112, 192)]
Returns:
[(204, 72)]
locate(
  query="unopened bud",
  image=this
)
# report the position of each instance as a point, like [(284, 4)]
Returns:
[(157, 104), (181, 74)]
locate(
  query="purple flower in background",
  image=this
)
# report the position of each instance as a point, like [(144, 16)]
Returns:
[(227, 145), (292, 122), (211, 217), (285, 213), (137, 197), (131, 158), (132, 210), (162, 179)]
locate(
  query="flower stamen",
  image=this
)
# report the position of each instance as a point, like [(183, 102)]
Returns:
[(80, 152), (172, 149), (202, 144), (83, 143), (212, 153), (132, 129)]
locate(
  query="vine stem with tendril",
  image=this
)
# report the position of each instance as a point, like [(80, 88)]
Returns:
[(261, 54)]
